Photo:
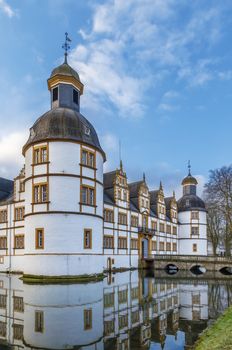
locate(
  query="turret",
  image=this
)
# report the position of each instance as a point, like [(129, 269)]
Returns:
[(64, 185)]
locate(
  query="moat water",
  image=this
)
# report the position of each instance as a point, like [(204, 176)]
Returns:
[(126, 310)]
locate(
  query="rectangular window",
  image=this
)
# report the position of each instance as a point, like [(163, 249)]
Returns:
[(195, 231), (154, 245), (122, 243), (135, 316), (19, 213), (3, 216), (3, 242), (40, 193), (109, 300), (39, 321), (154, 225), (55, 94), (122, 219), (18, 304), (87, 158), (134, 221), (21, 186), (108, 215), (75, 96), (122, 296), (168, 246), (194, 247), (87, 239), (18, 331), (108, 327), (3, 301), (161, 246), (134, 293), (162, 227), (19, 242), (108, 242), (87, 195), (123, 321), (195, 215), (87, 319), (39, 238), (40, 155), (168, 229), (174, 230), (134, 244), (174, 247), (2, 329)]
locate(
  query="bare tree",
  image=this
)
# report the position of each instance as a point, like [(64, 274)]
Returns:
[(218, 193)]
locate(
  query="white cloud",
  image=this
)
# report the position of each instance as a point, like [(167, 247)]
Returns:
[(11, 159), (131, 45), (7, 9)]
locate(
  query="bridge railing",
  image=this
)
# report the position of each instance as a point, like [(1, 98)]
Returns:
[(208, 258)]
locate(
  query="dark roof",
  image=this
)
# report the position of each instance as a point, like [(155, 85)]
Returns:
[(63, 124), (108, 199), (6, 188), (190, 201), (134, 188), (108, 179), (65, 69), (153, 196), (168, 201)]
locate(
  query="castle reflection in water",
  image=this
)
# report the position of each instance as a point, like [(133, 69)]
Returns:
[(124, 311)]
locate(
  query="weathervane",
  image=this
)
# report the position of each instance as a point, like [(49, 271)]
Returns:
[(189, 168), (66, 47)]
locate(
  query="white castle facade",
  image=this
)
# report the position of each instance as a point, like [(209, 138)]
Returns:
[(62, 216)]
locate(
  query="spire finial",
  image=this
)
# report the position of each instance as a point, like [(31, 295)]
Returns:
[(66, 47), (144, 177), (121, 166), (174, 195), (161, 186), (189, 168)]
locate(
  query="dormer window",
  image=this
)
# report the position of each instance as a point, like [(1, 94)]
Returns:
[(75, 97), (55, 94), (87, 130)]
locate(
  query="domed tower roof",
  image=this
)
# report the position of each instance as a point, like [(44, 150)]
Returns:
[(189, 180), (64, 121), (65, 69), (190, 200), (63, 124)]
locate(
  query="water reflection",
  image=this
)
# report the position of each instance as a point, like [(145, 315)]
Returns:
[(125, 311)]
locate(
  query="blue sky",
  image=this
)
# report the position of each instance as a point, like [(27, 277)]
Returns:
[(157, 76)]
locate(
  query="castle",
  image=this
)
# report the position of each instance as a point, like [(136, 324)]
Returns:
[(62, 216)]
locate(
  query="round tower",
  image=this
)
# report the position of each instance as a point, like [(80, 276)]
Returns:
[(192, 219), (63, 186)]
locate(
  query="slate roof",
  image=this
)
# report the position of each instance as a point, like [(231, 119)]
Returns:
[(108, 179), (134, 188), (6, 188), (190, 201), (63, 124)]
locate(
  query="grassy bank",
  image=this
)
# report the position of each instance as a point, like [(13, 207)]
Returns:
[(219, 335)]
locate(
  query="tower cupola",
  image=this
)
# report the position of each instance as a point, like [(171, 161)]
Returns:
[(189, 183), (64, 84)]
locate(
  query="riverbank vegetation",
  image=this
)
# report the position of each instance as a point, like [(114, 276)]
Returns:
[(219, 335)]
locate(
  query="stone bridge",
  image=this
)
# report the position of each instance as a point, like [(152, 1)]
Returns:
[(188, 262)]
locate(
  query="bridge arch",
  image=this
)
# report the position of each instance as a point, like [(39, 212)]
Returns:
[(197, 269), (226, 270), (171, 268)]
